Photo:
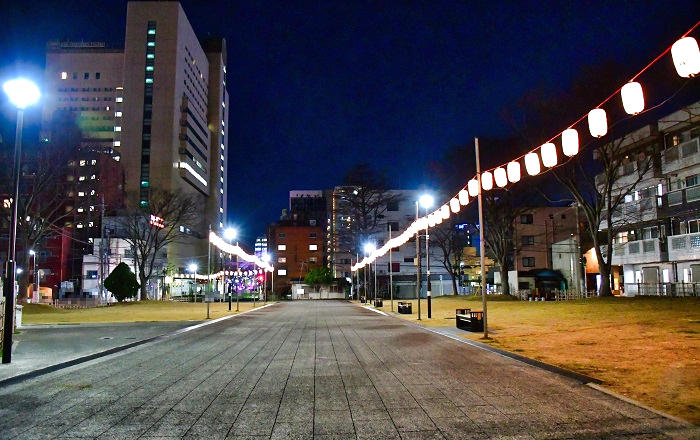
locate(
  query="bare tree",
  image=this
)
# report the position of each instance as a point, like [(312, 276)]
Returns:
[(501, 209), (367, 202), (451, 242), (44, 205), (601, 189), (150, 236)]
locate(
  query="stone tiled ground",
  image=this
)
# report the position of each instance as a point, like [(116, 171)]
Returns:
[(325, 370)]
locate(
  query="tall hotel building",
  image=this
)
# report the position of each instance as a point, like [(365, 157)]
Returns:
[(158, 106)]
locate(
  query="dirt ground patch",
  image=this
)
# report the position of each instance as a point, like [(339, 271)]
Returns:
[(645, 348), (130, 312)]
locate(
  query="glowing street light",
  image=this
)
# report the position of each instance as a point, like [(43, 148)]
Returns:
[(426, 201), (230, 234), (22, 93)]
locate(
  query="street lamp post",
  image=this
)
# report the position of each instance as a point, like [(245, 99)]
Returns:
[(21, 93), (418, 274), (369, 248), (35, 296), (230, 234), (426, 201)]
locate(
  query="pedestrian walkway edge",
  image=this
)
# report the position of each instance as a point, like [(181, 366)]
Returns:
[(82, 359)]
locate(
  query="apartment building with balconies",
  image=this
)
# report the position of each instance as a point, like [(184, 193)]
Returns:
[(657, 247)]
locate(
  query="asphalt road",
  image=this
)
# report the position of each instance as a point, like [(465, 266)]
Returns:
[(316, 369)]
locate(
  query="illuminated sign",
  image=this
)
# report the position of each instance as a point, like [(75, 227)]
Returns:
[(157, 222)]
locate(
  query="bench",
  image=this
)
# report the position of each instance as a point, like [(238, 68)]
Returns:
[(405, 308), (470, 320)]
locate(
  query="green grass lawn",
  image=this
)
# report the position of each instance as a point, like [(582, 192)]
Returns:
[(646, 348), (129, 312)]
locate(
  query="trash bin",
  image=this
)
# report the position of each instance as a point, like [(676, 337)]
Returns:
[(18, 316), (405, 308), (476, 321), (378, 302)]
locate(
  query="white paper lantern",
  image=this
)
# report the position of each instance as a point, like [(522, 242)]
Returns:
[(463, 197), (632, 98), (513, 171), (438, 217), (445, 212), (569, 142), (549, 154), (532, 164), (473, 186), (486, 180), (431, 220), (454, 205), (597, 122), (499, 174), (686, 57)]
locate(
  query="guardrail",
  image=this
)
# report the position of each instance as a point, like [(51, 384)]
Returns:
[(662, 289)]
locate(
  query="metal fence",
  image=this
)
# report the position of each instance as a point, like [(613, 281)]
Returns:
[(662, 289), (77, 303), (553, 295)]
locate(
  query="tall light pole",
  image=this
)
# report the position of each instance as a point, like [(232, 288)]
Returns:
[(22, 93), (230, 234), (481, 237), (418, 275), (391, 274), (369, 248), (266, 258), (35, 296), (426, 201)]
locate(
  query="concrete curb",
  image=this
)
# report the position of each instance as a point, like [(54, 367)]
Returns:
[(82, 359)]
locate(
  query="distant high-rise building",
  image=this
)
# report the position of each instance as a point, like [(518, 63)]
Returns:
[(260, 245), (158, 106)]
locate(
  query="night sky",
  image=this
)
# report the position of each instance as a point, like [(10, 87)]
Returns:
[(318, 86)]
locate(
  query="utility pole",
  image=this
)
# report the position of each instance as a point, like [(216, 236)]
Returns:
[(391, 275), (102, 249), (237, 294), (418, 269), (208, 291), (481, 236)]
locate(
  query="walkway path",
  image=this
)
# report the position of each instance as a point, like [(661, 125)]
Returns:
[(315, 369)]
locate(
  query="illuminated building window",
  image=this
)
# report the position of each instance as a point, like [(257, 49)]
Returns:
[(151, 32), (117, 128), (119, 99), (282, 272), (81, 194), (313, 247), (117, 143), (81, 178), (150, 56), (117, 114), (64, 75), (151, 44), (281, 247), (149, 80)]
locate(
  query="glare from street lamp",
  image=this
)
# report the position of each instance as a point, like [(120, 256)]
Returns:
[(230, 234), (19, 271), (32, 252), (369, 248), (22, 92), (426, 201), (265, 258), (192, 267)]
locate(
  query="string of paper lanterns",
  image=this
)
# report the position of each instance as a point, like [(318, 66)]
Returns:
[(233, 249), (686, 59)]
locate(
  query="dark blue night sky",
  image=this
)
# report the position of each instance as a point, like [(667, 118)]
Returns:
[(319, 86)]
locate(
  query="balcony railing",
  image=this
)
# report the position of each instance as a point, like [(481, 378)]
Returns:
[(684, 247), (640, 251), (681, 196), (684, 155)]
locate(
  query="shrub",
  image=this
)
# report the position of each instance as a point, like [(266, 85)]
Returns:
[(122, 283)]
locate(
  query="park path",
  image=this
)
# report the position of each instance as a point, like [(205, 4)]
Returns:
[(316, 369)]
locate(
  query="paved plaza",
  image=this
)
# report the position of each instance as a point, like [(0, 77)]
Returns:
[(316, 369)]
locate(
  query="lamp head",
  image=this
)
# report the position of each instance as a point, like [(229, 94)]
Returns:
[(19, 271), (266, 258), (426, 201), (32, 252), (369, 248), (230, 234), (22, 92), (192, 267)]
